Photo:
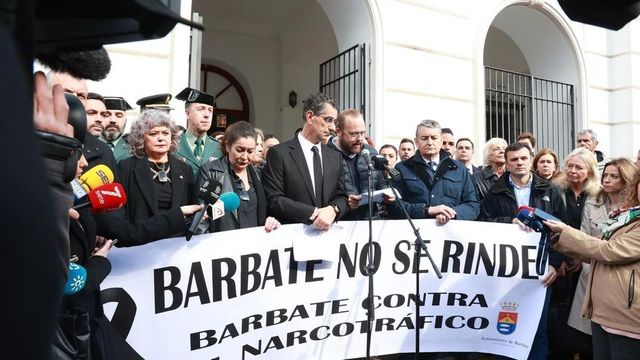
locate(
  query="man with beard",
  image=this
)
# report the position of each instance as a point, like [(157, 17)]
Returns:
[(407, 149), (196, 146), (349, 142), (113, 133), (304, 178)]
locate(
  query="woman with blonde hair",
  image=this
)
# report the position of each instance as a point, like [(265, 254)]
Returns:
[(612, 296), (578, 181)]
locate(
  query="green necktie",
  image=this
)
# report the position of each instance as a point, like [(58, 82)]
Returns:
[(198, 150)]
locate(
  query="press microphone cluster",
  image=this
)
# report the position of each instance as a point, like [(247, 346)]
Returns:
[(91, 179), (534, 218), (208, 194), (226, 203), (104, 198)]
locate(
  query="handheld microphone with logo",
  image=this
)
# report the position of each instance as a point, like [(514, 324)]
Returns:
[(381, 163), (208, 194), (534, 218), (104, 198), (89, 180), (228, 202), (367, 157), (76, 280)]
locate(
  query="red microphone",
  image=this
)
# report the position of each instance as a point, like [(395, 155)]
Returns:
[(107, 197)]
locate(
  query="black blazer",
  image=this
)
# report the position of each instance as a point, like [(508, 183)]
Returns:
[(136, 178), (96, 152), (288, 186)]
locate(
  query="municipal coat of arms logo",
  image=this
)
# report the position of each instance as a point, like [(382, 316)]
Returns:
[(507, 318)]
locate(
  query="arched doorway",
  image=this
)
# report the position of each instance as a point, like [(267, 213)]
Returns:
[(275, 51), (532, 77), (232, 103)]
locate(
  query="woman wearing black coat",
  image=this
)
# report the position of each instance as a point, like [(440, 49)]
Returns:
[(236, 174), (155, 181)]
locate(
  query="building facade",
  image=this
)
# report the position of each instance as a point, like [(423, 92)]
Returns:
[(483, 68)]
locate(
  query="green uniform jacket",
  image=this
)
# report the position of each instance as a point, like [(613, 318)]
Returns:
[(212, 151), (122, 150)]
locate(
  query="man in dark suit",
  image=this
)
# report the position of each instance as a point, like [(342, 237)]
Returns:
[(464, 153), (304, 179)]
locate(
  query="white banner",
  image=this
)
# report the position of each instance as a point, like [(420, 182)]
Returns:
[(243, 295)]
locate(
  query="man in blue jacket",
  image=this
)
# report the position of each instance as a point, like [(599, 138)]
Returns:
[(431, 184)]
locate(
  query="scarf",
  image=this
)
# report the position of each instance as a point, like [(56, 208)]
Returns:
[(617, 219)]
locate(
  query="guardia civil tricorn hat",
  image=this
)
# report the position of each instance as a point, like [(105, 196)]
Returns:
[(190, 95)]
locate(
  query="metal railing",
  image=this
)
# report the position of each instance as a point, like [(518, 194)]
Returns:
[(517, 103), (343, 77)]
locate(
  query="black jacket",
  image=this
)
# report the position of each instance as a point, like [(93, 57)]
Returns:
[(288, 187), (483, 180), (500, 204), (379, 182), (219, 170)]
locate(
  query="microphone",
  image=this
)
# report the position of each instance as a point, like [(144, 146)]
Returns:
[(208, 194), (88, 64), (381, 163), (89, 180), (107, 197), (533, 218), (96, 176), (77, 279), (230, 200), (367, 157)]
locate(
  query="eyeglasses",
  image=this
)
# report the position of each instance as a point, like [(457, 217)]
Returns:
[(242, 193), (327, 119), (356, 135)]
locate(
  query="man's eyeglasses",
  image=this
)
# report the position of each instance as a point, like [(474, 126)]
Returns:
[(242, 193), (327, 119), (356, 135)]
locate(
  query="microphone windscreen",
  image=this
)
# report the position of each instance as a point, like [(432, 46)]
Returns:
[(523, 207), (89, 64), (365, 152), (96, 176), (76, 280), (231, 201), (107, 197), (379, 162), (77, 117), (210, 191)]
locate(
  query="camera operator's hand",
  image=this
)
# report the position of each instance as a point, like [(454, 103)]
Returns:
[(50, 109)]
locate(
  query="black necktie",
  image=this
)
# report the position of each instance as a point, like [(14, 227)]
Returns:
[(317, 174)]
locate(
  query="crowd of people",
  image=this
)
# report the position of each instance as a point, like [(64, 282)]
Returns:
[(318, 177)]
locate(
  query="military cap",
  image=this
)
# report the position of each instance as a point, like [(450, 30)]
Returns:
[(159, 101), (190, 95), (116, 103)]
